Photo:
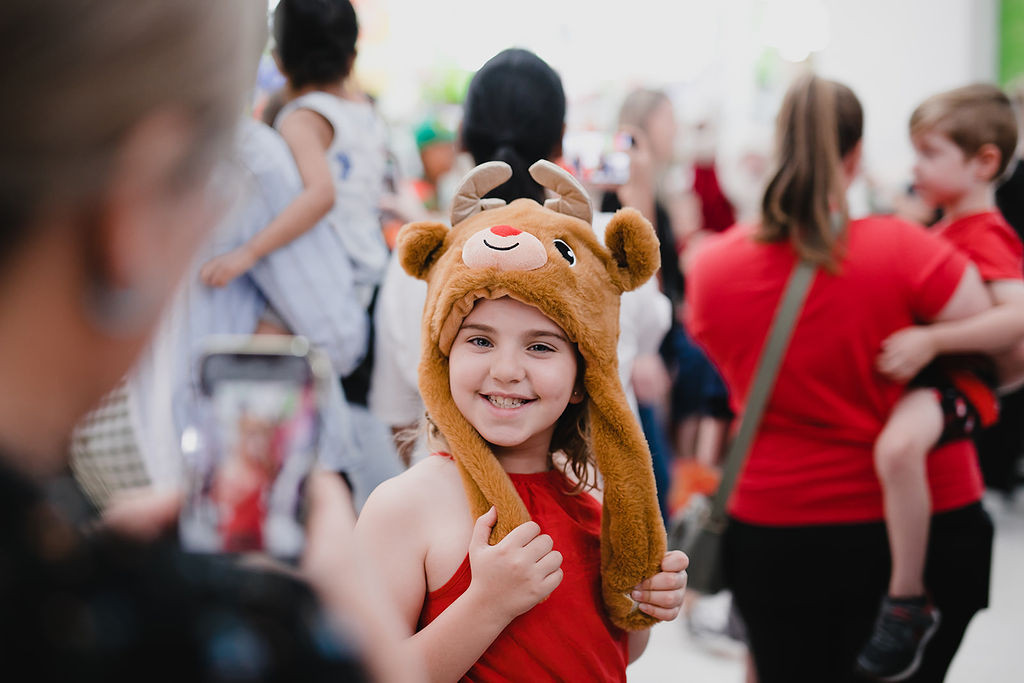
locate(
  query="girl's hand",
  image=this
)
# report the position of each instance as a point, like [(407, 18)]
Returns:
[(661, 596), (518, 572), (905, 352), (219, 271)]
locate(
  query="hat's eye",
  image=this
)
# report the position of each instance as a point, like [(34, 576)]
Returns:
[(566, 252)]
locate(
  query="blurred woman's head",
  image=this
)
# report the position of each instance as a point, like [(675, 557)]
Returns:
[(817, 151), (119, 111), (651, 112), (514, 112)]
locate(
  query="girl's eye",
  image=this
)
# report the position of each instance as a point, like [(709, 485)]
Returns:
[(540, 347), (479, 341), (566, 252)]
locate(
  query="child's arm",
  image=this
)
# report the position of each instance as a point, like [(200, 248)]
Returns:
[(989, 330), (508, 579), (308, 136), (661, 596)]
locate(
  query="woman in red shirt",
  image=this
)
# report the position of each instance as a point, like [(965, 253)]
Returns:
[(806, 551)]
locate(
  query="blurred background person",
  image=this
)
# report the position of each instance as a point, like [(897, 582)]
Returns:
[(806, 515), (103, 202)]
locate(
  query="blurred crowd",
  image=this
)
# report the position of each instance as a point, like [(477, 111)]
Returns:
[(304, 206)]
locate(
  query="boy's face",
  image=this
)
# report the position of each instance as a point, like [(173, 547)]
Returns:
[(942, 172)]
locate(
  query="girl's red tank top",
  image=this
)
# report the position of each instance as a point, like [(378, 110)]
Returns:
[(568, 637)]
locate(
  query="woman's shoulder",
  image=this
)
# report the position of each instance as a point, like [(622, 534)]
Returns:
[(892, 235)]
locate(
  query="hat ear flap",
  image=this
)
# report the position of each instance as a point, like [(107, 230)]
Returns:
[(634, 247), (419, 246)]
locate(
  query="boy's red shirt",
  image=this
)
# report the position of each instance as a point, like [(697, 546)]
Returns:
[(989, 241)]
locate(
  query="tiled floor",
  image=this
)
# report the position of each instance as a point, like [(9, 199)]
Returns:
[(991, 651)]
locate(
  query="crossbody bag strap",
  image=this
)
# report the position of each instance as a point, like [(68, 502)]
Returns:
[(791, 304)]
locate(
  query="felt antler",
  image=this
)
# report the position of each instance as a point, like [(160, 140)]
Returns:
[(468, 198), (573, 200)]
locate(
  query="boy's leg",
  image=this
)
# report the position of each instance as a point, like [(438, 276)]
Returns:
[(906, 620), (913, 429)]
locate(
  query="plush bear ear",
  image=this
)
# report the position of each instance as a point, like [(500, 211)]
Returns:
[(634, 246), (419, 246)]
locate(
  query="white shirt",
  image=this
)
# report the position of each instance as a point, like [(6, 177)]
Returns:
[(357, 158)]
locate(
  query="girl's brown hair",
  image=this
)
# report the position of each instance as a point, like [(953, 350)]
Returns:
[(820, 122), (572, 437)]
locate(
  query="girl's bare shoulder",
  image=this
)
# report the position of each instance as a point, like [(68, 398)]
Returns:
[(419, 491)]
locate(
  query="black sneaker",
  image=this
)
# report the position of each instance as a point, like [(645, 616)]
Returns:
[(901, 632)]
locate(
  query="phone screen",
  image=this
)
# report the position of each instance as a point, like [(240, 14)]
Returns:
[(246, 478), (597, 158)]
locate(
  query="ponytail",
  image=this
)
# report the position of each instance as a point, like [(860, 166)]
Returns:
[(819, 123), (521, 184), (514, 112)]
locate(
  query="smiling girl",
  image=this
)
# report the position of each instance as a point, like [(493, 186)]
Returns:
[(529, 607)]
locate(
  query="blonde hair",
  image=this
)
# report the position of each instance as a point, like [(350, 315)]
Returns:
[(80, 76), (971, 116), (639, 105), (819, 123)]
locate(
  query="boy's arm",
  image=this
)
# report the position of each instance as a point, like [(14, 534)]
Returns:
[(998, 329), (308, 136), (993, 330)]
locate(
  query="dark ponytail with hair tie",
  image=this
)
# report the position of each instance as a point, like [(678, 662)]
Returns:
[(521, 184), (515, 113)]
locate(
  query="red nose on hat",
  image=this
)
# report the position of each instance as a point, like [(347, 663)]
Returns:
[(505, 231)]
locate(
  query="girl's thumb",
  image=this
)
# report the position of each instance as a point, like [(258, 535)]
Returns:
[(483, 526)]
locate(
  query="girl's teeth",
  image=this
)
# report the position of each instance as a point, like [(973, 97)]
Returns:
[(505, 402)]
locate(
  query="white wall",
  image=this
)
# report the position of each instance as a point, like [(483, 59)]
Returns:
[(895, 53), (710, 55)]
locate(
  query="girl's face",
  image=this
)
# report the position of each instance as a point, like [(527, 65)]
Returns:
[(512, 373)]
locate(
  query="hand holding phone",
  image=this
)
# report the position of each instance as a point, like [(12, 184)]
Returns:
[(255, 442)]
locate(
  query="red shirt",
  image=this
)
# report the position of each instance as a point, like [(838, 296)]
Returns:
[(715, 208), (811, 462), (989, 241), (568, 637)]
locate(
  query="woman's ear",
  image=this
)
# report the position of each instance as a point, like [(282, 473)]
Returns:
[(634, 247), (419, 246)]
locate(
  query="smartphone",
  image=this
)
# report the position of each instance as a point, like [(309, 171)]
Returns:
[(252, 446), (597, 158)]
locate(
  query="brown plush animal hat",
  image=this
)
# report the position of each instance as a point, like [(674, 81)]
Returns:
[(548, 257)]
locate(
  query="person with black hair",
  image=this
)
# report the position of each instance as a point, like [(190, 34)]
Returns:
[(337, 139), (514, 112)]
